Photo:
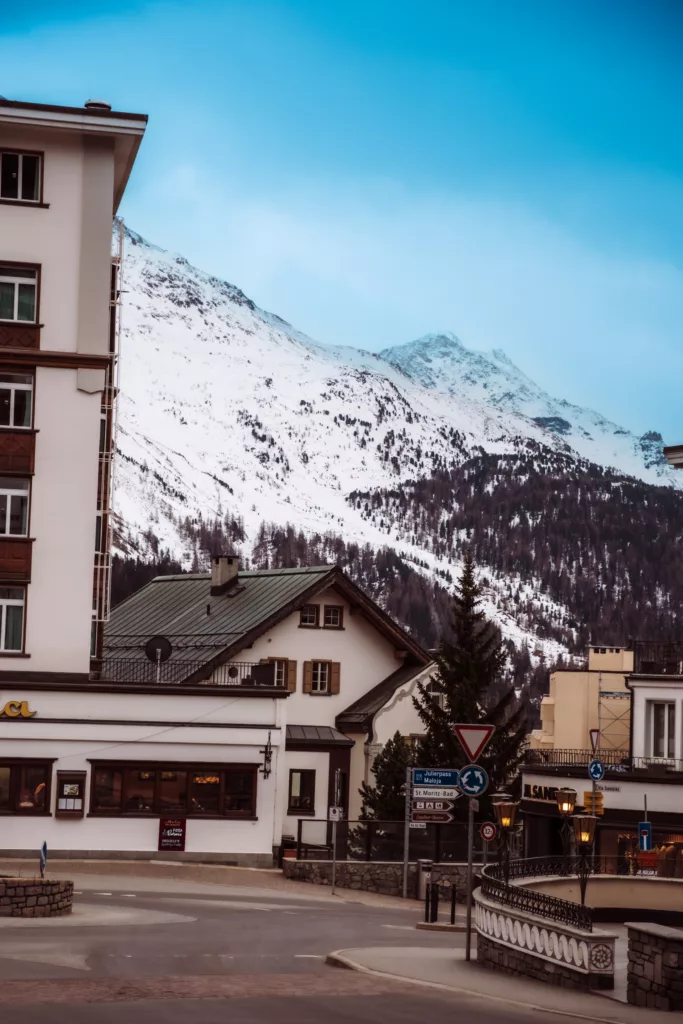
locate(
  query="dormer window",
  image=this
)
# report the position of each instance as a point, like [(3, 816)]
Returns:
[(310, 616), (20, 176), (333, 617)]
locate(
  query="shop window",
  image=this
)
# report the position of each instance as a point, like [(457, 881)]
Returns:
[(301, 792), (16, 392), (178, 790), (25, 787)]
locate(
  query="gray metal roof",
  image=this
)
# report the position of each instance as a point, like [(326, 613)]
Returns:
[(317, 735), (200, 626)]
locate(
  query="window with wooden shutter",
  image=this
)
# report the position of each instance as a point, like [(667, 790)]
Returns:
[(291, 676), (335, 677), (281, 671), (308, 676)]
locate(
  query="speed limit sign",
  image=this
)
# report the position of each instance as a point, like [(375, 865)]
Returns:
[(488, 831)]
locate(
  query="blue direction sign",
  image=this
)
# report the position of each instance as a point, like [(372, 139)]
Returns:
[(645, 836), (436, 777), (596, 770), (473, 780)]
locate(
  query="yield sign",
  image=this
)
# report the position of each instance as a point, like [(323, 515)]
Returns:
[(473, 738)]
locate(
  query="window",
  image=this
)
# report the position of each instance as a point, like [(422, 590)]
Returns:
[(663, 730), (13, 506), (301, 792), (20, 176), (334, 616), (11, 618), (320, 677), (18, 288), (309, 615), (280, 672), (16, 391), (435, 691), (185, 790), (25, 787)]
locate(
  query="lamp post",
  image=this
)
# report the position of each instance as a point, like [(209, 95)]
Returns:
[(584, 834), (505, 809), (566, 802)]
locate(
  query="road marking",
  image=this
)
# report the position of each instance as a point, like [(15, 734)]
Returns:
[(308, 956), (102, 894), (400, 927), (130, 895), (78, 892)]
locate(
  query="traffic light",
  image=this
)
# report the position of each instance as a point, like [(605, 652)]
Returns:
[(593, 803)]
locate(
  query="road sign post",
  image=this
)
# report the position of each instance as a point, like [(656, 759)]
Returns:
[(473, 804), (406, 831)]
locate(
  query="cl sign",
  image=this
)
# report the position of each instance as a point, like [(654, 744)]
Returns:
[(16, 709)]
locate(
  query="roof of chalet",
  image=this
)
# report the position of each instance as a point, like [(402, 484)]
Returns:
[(205, 628), (359, 715), (316, 736)]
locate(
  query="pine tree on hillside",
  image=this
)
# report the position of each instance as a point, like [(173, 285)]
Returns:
[(469, 688), (385, 801)]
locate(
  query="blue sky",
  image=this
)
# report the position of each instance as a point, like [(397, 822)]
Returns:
[(373, 171)]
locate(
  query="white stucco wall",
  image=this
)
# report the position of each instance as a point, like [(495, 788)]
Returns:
[(319, 762), (642, 694), (365, 656), (226, 730), (399, 713)]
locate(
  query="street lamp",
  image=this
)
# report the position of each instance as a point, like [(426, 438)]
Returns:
[(566, 802), (584, 834), (505, 809)]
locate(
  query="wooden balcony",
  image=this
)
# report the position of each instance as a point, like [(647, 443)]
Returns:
[(15, 559), (17, 451), (15, 334)]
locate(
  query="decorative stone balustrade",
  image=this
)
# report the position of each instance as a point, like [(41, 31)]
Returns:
[(517, 942)]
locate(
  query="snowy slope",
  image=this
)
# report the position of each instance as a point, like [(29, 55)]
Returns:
[(226, 407)]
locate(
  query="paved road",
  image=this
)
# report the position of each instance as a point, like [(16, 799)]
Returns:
[(215, 954)]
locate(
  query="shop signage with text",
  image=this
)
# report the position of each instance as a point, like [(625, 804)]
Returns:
[(16, 709)]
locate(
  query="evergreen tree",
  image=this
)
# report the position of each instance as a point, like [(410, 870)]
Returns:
[(385, 801), (469, 688)]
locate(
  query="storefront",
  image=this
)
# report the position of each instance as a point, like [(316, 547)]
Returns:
[(137, 771), (625, 794)]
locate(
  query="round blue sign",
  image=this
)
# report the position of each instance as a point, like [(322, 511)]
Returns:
[(596, 770), (473, 780)]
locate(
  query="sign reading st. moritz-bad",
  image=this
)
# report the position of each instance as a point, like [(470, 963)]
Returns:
[(16, 709)]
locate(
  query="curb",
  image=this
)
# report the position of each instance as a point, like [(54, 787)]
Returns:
[(338, 959), (435, 926)]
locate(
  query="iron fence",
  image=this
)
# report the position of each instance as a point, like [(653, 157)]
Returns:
[(616, 762), (383, 841), (188, 672)]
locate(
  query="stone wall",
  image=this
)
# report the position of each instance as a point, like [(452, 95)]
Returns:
[(524, 965), (655, 966), (35, 897), (385, 877)]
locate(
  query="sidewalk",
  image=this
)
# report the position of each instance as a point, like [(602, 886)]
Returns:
[(447, 969)]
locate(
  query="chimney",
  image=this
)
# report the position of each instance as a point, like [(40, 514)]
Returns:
[(224, 569)]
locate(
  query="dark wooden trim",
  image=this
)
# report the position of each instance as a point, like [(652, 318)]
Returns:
[(170, 814), (16, 576), (16, 654), (74, 685), (300, 746), (27, 760), (61, 360), (135, 721), (24, 202), (18, 451), (99, 112)]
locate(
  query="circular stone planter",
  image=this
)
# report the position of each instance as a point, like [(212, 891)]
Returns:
[(35, 897)]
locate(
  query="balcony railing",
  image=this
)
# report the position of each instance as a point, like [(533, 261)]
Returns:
[(15, 559), (656, 658), (15, 334), (17, 451), (187, 672), (615, 761)]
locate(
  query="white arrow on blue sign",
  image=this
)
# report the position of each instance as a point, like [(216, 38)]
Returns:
[(436, 777), (473, 780), (596, 770)]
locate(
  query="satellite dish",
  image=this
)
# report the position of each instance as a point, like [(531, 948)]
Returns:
[(158, 649)]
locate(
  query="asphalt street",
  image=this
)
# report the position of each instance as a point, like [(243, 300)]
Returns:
[(173, 951)]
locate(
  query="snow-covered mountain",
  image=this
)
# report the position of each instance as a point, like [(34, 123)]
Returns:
[(224, 406)]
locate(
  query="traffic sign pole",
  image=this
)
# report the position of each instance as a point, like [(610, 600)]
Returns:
[(470, 859), (406, 831)]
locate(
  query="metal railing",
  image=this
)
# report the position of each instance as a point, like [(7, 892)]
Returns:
[(188, 672), (383, 841), (519, 897), (616, 761), (658, 657)]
